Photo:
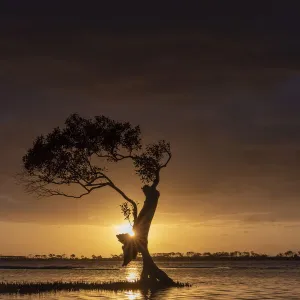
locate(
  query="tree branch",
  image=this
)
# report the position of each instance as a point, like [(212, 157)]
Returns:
[(59, 193), (156, 180), (39, 186), (116, 157), (132, 202), (157, 177), (168, 160)]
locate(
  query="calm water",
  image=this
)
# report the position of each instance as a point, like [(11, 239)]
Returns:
[(211, 280)]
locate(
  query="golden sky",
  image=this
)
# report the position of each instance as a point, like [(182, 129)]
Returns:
[(227, 102)]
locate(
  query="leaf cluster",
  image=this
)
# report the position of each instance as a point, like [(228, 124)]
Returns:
[(80, 152), (64, 155), (149, 162), (126, 211)]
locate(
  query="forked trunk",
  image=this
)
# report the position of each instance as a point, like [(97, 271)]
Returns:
[(141, 228)]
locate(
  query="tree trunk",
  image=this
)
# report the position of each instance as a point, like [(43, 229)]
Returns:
[(139, 243), (151, 272), (141, 228)]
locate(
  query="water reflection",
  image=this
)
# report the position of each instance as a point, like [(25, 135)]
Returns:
[(211, 280), (132, 274), (143, 294), (132, 295)]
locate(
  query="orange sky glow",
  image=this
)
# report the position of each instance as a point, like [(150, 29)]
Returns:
[(228, 104)]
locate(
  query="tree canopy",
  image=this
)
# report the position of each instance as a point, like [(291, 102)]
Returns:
[(79, 154)]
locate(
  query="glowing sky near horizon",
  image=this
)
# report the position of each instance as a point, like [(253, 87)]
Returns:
[(227, 99)]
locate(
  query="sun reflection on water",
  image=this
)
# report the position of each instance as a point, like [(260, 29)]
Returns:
[(132, 275), (132, 295)]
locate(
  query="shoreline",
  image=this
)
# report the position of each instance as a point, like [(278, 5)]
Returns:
[(156, 259)]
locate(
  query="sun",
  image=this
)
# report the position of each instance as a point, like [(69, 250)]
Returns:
[(125, 228)]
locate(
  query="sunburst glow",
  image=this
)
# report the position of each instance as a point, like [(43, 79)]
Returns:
[(124, 228)]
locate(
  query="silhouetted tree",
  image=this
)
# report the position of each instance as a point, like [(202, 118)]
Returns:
[(289, 253), (246, 253), (78, 155), (190, 253)]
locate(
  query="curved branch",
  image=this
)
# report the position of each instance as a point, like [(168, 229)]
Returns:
[(168, 160), (156, 180), (112, 185), (157, 177), (58, 193), (41, 188), (132, 202)]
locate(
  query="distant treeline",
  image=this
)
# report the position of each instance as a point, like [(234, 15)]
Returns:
[(164, 256)]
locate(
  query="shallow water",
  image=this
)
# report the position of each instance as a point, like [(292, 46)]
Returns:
[(211, 280)]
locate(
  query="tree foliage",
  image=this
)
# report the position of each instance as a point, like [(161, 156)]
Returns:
[(80, 153), (126, 211)]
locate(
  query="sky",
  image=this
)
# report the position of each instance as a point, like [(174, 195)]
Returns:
[(220, 82)]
